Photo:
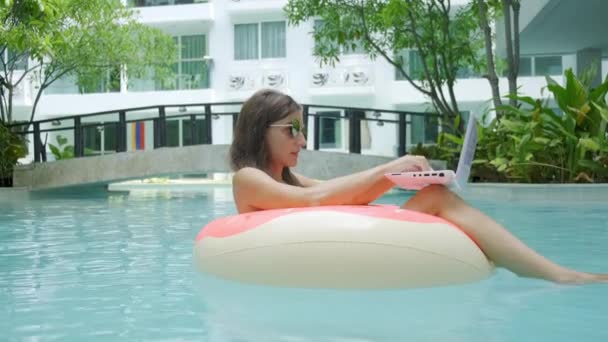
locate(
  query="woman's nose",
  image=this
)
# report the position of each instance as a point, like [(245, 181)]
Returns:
[(301, 139)]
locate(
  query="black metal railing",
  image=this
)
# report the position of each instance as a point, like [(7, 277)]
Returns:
[(199, 121)]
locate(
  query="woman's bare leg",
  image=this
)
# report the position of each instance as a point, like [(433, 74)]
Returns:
[(497, 243)]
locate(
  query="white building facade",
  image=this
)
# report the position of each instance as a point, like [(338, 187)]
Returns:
[(247, 45)]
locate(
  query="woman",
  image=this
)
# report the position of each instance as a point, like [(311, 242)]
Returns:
[(267, 139)]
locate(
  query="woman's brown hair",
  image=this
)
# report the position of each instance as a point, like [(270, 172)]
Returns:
[(249, 147)]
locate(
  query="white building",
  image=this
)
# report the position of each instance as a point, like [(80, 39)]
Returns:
[(248, 45)]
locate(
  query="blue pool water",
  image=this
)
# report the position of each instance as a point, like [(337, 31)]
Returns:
[(96, 266)]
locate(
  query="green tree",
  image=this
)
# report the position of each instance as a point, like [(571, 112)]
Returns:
[(80, 38), (447, 39), (512, 44), (491, 10)]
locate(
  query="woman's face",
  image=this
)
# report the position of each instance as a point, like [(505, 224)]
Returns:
[(283, 146)]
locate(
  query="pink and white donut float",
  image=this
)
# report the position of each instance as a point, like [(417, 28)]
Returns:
[(362, 247)]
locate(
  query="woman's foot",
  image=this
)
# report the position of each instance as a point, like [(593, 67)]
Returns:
[(601, 278), (579, 278)]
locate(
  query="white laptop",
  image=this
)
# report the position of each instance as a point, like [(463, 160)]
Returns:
[(418, 180)]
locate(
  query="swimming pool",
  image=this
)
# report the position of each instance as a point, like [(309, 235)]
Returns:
[(90, 265)]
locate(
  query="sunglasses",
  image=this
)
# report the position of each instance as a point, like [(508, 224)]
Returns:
[(296, 127)]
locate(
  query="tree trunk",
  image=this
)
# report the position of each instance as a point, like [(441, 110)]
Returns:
[(447, 109), (511, 73), (38, 95), (487, 32), (456, 111), (9, 111), (515, 67), (2, 102)]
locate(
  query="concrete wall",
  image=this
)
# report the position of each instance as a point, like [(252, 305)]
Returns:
[(197, 159)]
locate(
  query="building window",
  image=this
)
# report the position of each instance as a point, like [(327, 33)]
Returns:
[(63, 85), (187, 132), (191, 71), (538, 66), (245, 41), (98, 135), (330, 130), (548, 65), (179, 132), (525, 66), (251, 42), (100, 81), (357, 50), (424, 129), (273, 39), (412, 64), (172, 133), (191, 67)]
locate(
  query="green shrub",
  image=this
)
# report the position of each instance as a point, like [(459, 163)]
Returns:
[(62, 150), (12, 147), (542, 144)]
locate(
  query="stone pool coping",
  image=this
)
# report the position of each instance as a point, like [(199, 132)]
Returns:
[(539, 192), (499, 191)]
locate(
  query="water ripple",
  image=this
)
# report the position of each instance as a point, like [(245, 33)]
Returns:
[(95, 266)]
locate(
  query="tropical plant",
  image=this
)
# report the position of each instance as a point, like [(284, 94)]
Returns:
[(62, 150), (12, 148), (541, 143), (432, 151)]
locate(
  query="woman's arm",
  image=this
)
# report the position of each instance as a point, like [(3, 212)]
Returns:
[(305, 181), (255, 190)]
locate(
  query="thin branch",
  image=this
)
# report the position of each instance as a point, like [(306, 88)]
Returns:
[(433, 92), (45, 83), (436, 69), (388, 59), (59, 75), (12, 61), (4, 47), (4, 68), (26, 72), (2, 104), (491, 67), (446, 54), (516, 7), (545, 165), (447, 50), (448, 57)]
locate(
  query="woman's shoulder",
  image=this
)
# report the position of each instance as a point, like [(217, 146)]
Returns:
[(247, 172), (246, 183), (249, 175)]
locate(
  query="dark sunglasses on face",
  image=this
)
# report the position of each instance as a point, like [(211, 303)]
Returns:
[(296, 127)]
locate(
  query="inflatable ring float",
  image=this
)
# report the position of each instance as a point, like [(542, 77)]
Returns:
[(355, 247)]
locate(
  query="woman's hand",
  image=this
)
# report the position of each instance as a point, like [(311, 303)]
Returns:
[(409, 163)]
